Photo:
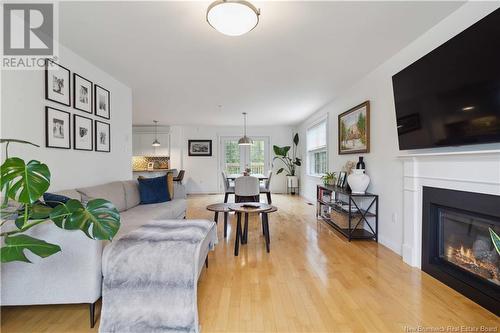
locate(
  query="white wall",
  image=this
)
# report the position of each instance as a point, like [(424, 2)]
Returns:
[(203, 173), (23, 117), (382, 163)]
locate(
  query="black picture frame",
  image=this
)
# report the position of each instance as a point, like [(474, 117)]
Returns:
[(97, 140), (192, 147), (66, 90), (341, 180), (75, 131), (91, 93), (96, 101), (49, 136)]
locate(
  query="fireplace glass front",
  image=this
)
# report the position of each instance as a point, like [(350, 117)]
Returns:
[(464, 241)]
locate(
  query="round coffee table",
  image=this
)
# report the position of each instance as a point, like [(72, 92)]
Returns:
[(220, 208), (244, 208)]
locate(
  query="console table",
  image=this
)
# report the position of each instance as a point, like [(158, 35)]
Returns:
[(342, 209)]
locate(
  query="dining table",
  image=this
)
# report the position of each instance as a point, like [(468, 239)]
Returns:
[(233, 176)]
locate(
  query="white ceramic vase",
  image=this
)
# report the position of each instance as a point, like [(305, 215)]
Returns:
[(358, 181)]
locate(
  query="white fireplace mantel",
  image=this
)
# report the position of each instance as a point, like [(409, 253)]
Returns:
[(473, 172)]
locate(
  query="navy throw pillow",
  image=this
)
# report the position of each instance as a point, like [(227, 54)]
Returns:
[(153, 190), (53, 200)]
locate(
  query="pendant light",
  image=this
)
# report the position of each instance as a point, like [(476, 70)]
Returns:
[(232, 17), (156, 143), (245, 140)]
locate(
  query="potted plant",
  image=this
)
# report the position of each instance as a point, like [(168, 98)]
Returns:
[(290, 162), (329, 178), (23, 184)]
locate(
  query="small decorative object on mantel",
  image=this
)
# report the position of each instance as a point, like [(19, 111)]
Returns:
[(330, 178), (200, 147), (354, 130), (341, 181), (358, 181), (57, 79), (361, 164)]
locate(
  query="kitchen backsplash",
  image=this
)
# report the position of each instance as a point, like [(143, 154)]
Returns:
[(141, 162)]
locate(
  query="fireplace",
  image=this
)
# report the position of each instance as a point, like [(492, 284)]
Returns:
[(456, 245)]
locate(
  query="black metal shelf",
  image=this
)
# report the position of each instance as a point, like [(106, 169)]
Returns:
[(355, 213)]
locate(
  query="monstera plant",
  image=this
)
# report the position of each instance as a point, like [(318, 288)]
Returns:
[(22, 185)]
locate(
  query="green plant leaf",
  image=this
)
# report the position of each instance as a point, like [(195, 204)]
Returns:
[(15, 246), (298, 162), (28, 182), (99, 220), (296, 139), (18, 141), (280, 170), (495, 239)]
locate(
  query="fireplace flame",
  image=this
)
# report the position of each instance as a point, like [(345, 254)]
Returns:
[(464, 257)]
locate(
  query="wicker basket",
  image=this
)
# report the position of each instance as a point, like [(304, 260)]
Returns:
[(342, 220)]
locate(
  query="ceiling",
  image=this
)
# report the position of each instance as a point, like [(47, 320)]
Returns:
[(183, 72)]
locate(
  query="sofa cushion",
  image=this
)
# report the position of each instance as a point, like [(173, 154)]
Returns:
[(153, 190), (132, 196), (113, 192), (139, 215), (72, 194), (53, 200)]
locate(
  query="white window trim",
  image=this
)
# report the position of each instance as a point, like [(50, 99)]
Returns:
[(324, 118)]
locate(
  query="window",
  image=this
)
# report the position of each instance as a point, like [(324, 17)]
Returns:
[(317, 161), (236, 158)]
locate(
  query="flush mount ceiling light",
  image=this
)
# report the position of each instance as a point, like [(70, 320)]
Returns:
[(245, 140), (232, 17)]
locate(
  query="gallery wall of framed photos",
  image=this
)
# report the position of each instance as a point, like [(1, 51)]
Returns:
[(78, 111)]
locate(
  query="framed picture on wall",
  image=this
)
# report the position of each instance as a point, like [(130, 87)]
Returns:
[(102, 102), (102, 136), (82, 133), (200, 147), (82, 93), (354, 130), (57, 83), (57, 128)]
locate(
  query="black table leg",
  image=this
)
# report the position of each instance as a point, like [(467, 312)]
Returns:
[(266, 225), (238, 235), (225, 223), (216, 217), (245, 232), (263, 227)]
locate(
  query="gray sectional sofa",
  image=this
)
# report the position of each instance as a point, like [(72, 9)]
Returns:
[(75, 274)]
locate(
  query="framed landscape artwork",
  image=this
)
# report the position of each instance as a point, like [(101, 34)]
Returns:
[(57, 84), (200, 147), (82, 133), (102, 137), (57, 128), (101, 102), (354, 130), (82, 93)]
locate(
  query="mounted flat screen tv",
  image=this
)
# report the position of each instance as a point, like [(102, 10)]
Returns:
[(451, 96)]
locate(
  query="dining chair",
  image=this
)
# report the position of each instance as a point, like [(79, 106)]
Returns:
[(228, 189), (246, 189), (266, 187), (180, 176)]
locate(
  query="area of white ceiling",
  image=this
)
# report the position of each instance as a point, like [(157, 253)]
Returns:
[(296, 60)]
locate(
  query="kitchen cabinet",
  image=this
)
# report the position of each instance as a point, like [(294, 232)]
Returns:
[(142, 144)]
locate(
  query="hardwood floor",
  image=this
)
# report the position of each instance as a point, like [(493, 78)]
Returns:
[(313, 280)]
